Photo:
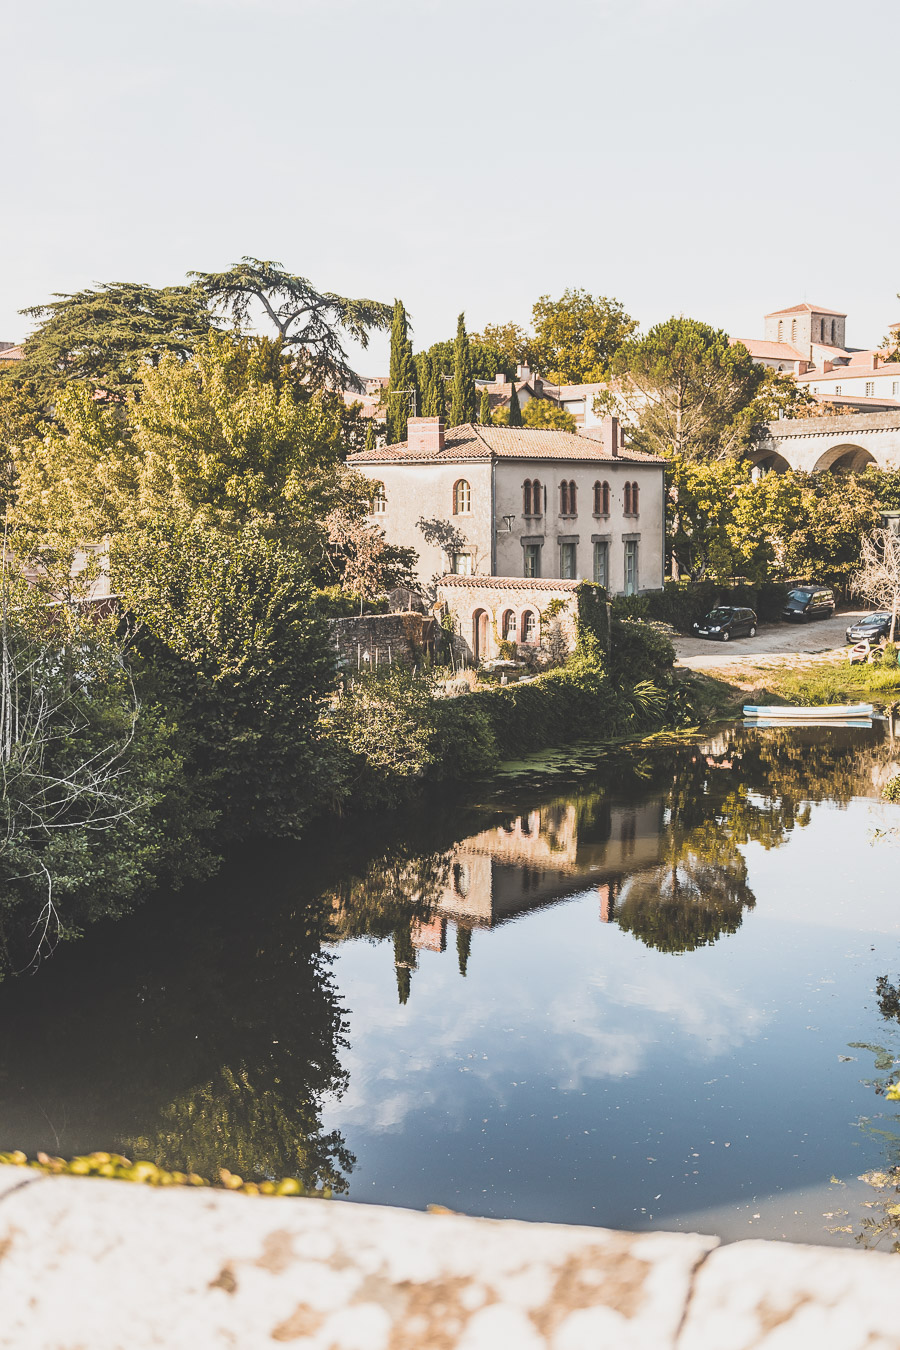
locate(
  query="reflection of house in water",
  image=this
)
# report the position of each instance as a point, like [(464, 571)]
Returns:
[(550, 854)]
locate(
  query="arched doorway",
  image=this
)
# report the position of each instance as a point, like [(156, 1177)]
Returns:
[(480, 630), (845, 458)]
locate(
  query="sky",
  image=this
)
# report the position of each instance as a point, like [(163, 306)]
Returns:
[(701, 157)]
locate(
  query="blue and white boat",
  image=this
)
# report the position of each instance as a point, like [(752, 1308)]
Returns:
[(827, 712)]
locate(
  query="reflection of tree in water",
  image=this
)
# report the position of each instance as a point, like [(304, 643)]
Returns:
[(748, 786), (398, 890), (212, 1034), (687, 904)]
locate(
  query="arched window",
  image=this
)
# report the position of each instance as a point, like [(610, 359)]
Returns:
[(379, 499), (573, 503), (780, 331), (601, 499), (833, 331), (567, 505), (537, 502), (529, 626), (635, 491), (793, 330), (526, 497), (508, 626), (462, 498), (628, 499)]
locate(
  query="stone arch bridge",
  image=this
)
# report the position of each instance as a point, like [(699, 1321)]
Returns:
[(847, 443)]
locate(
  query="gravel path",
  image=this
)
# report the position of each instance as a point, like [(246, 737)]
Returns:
[(775, 644)]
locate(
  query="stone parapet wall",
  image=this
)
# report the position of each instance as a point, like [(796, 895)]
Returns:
[(106, 1264), (370, 641)]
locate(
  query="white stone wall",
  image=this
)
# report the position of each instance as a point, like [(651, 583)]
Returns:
[(416, 490), (646, 527), (107, 1265)]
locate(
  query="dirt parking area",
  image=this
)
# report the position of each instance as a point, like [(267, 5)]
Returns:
[(775, 643)]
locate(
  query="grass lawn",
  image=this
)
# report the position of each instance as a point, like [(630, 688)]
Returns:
[(837, 684)]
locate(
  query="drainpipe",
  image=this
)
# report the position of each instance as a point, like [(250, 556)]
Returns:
[(493, 517)]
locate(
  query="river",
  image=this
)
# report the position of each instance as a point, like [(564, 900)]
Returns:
[(624, 986)]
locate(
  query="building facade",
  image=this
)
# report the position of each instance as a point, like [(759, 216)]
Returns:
[(521, 502)]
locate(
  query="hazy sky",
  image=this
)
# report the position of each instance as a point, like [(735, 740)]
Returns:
[(705, 157)]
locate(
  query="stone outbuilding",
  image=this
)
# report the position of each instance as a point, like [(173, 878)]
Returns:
[(490, 610)]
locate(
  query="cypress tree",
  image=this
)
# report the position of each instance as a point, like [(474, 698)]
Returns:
[(515, 411), (462, 409), (370, 434), (403, 391), (463, 947), (484, 412), (433, 389)]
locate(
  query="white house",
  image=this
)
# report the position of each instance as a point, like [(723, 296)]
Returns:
[(522, 502)]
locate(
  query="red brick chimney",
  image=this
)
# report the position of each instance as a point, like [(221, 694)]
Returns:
[(609, 436), (425, 435)]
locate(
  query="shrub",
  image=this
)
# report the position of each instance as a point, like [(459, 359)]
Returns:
[(639, 651), (892, 789), (682, 603), (889, 656), (234, 648)]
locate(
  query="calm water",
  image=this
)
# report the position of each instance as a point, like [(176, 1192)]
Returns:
[(642, 997)]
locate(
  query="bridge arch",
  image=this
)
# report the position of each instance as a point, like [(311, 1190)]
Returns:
[(768, 461), (844, 458)]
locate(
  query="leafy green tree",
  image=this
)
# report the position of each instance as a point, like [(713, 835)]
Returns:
[(108, 335), (484, 409), (684, 388), (402, 394), (225, 439), (816, 523), (431, 384), (578, 335), (515, 409), (310, 324), (885, 484), (541, 412), (716, 527), (462, 408), (487, 360), (509, 342), (233, 644)]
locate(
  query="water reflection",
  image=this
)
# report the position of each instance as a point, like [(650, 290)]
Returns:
[(660, 844), (493, 957), (200, 1036)]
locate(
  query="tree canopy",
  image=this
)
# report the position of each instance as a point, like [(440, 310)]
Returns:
[(541, 412), (108, 335), (462, 407), (577, 336), (311, 324), (686, 388), (402, 394)]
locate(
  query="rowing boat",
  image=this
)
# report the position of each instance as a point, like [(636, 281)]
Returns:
[(829, 711)]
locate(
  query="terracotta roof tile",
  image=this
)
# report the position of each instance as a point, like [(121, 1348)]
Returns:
[(13, 353), (470, 442), (807, 309), (850, 372), (773, 350), (510, 583)]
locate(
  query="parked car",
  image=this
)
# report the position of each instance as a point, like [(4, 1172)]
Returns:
[(871, 627), (809, 602), (727, 622)]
